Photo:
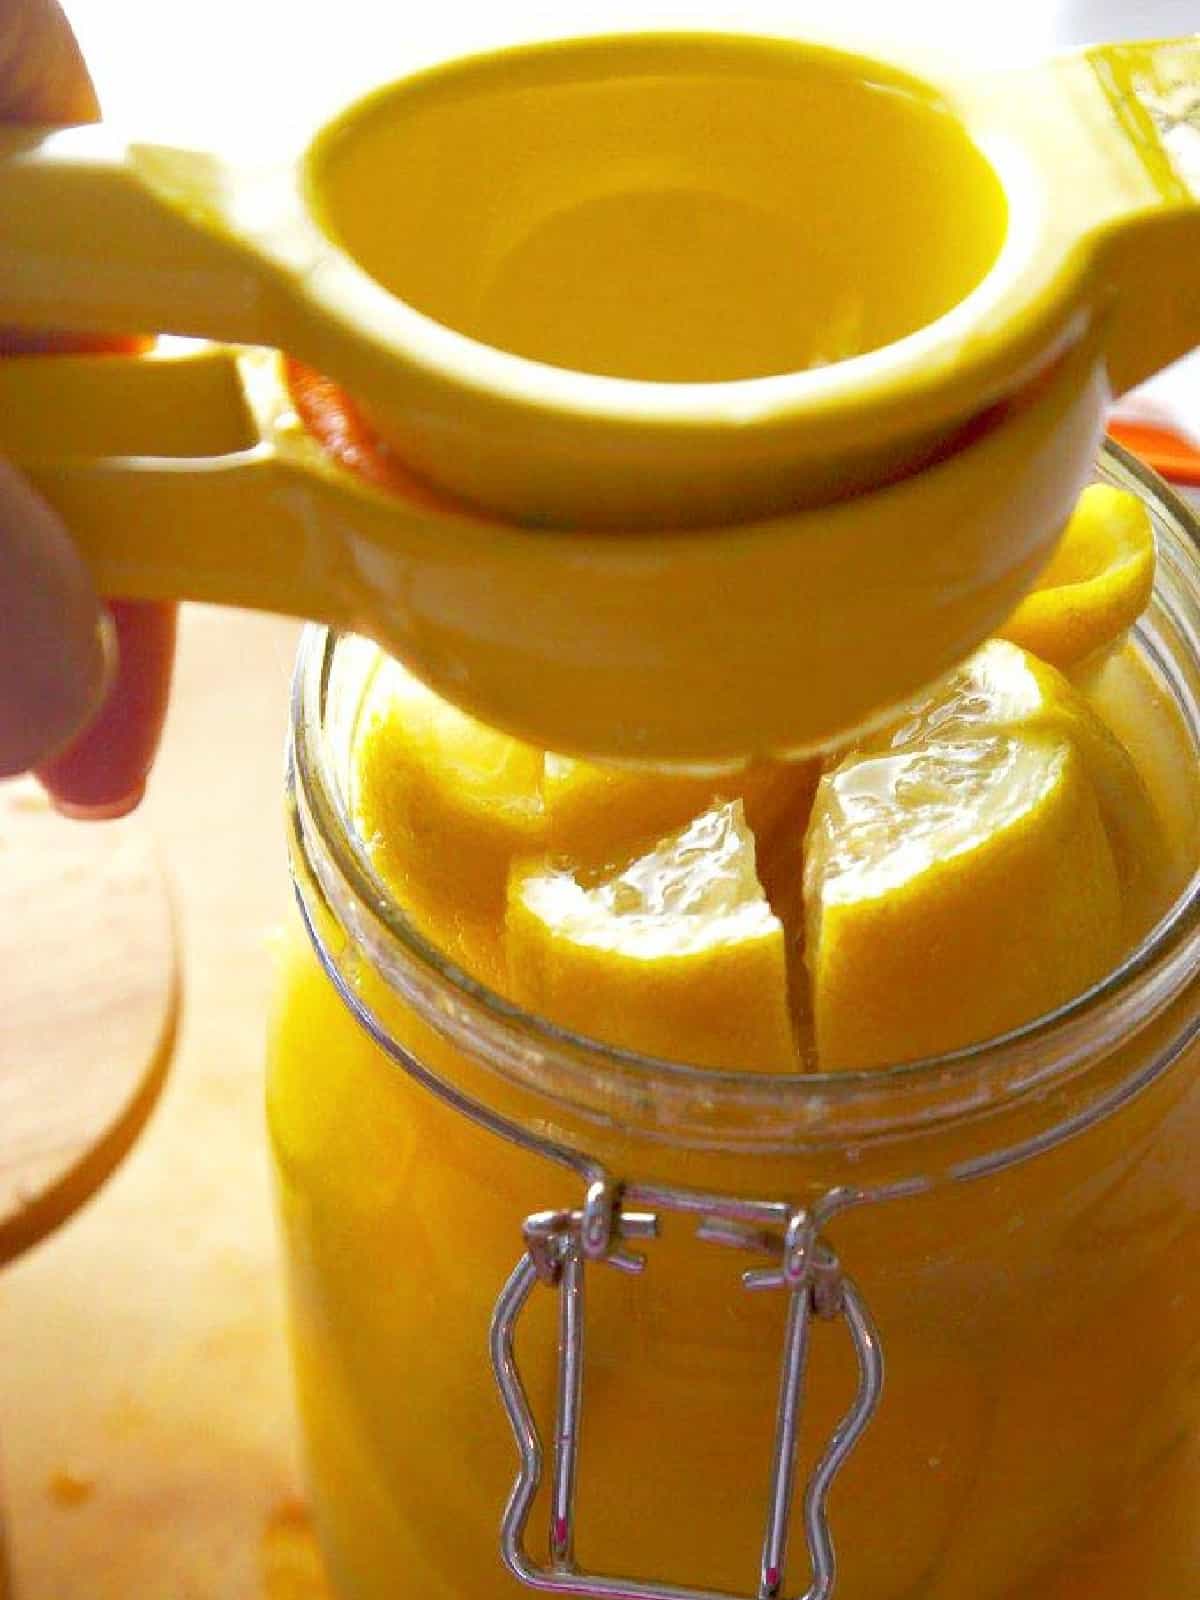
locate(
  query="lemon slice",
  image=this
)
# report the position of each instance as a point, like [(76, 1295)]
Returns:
[(678, 955), (444, 803), (980, 862), (1002, 688), (952, 893), (1097, 584)]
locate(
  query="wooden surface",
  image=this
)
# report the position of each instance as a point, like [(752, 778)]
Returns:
[(87, 949), (145, 1412)]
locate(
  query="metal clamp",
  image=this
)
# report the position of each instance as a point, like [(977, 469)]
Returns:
[(558, 1244)]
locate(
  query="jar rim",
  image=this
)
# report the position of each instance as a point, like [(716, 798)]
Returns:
[(911, 1094)]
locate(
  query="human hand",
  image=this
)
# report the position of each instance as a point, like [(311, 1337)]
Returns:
[(83, 687)]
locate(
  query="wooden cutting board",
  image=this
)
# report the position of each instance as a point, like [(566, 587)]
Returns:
[(87, 953)]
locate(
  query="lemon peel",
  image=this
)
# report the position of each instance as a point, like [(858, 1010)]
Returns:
[(676, 955), (1097, 584)]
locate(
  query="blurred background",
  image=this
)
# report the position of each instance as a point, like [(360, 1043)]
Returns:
[(231, 67)]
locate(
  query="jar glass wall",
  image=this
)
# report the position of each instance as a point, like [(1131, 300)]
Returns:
[(1028, 1243)]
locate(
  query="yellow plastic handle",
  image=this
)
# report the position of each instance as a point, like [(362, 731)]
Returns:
[(1101, 165), (1150, 95), (178, 400), (187, 475), (104, 236), (170, 476)]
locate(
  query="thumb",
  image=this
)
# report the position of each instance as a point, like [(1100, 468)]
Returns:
[(42, 74), (56, 652), (56, 647)]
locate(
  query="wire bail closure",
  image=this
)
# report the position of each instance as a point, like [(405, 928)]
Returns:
[(558, 1247)]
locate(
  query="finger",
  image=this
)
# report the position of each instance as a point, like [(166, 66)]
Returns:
[(55, 650), (42, 73), (43, 78), (103, 772), (55, 662)]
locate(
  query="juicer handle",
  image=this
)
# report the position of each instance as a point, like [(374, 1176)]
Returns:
[(103, 236), (208, 530), (1149, 253), (188, 476)]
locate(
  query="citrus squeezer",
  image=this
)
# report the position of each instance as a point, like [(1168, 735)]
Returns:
[(744, 384)]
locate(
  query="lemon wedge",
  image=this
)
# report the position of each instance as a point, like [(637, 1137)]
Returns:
[(1097, 584), (1004, 689), (984, 861), (951, 894), (444, 803), (677, 955)]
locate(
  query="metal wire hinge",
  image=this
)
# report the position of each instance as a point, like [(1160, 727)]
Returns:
[(558, 1245)]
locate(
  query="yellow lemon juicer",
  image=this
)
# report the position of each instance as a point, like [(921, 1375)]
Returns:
[(753, 380)]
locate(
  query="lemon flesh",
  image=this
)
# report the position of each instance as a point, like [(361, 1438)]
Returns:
[(1004, 689), (953, 893), (1123, 689), (678, 955), (986, 859)]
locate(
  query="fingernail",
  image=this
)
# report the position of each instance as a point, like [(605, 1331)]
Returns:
[(106, 811), (102, 773)]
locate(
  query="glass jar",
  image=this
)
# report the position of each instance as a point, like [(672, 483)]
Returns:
[(1019, 1224)]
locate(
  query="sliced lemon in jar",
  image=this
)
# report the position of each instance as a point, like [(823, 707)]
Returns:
[(676, 955), (443, 803), (985, 859), (1004, 689), (952, 893), (1097, 584)]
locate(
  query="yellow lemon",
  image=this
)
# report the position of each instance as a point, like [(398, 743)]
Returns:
[(444, 803), (953, 892), (1003, 689), (982, 861), (677, 955), (1097, 584)]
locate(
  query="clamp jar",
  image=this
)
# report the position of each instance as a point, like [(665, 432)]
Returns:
[(1012, 1233)]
